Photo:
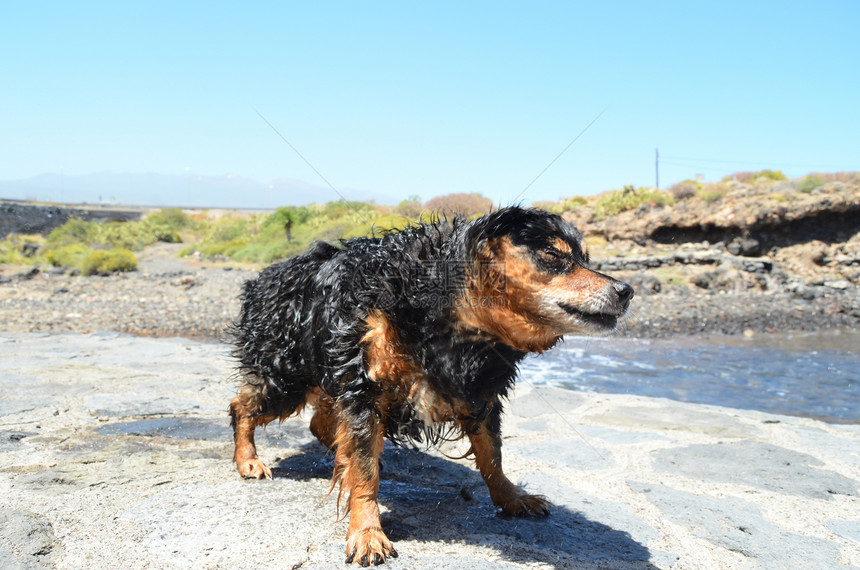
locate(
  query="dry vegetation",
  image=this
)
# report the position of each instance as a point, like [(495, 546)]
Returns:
[(99, 248), (697, 194)]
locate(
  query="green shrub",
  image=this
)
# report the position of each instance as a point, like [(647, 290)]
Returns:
[(164, 226), (751, 177), (21, 249), (232, 237), (107, 261), (712, 195), (628, 199), (333, 230), (124, 235), (410, 207), (810, 183), (70, 255), (684, 189), (767, 174), (379, 225), (562, 206), (228, 229), (167, 235), (713, 192), (74, 230), (172, 218), (10, 253), (345, 209), (257, 239), (571, 204), (213, 249)]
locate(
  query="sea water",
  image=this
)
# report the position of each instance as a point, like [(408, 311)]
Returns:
[(806, 374)]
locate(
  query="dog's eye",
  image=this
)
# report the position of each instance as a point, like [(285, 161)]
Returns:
[(552, 254)]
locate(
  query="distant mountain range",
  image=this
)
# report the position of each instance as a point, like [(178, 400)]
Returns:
[(185, 190)]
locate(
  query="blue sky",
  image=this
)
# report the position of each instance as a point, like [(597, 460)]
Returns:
[(405, 98)]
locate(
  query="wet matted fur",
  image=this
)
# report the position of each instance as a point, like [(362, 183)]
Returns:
[(414, 336)]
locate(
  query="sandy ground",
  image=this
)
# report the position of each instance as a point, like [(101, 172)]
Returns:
[(115, 452)]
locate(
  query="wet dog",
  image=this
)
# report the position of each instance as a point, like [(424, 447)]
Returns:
[(412, 336)]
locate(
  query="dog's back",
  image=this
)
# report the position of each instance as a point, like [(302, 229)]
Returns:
[(302, 318), (278, 336)]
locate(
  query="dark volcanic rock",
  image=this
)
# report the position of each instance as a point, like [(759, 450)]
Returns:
[(744, 246), (26, 218)]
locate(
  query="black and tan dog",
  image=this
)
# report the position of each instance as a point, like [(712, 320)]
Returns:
[(408, 335)]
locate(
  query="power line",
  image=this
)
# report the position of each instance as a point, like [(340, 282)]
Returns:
[(693, 166), (564, 150), (751, 163), (300, 155)]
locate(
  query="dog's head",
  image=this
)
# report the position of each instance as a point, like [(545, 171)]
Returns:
[(528, 281)]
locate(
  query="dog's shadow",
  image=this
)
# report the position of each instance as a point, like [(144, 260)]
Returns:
[(429, 498)]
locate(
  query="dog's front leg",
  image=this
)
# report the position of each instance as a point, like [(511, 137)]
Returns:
[(357, 470), (245, 420), (487, 449)]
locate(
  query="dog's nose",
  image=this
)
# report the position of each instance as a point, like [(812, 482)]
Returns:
[(625, 293)]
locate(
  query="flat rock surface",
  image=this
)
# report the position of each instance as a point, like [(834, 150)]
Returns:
[(115, 452)]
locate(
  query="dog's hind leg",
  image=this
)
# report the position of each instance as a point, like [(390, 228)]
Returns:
[(244, 411), (487, 448), (324, 421)]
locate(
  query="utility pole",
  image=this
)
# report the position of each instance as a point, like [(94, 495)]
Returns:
[(657, 167)]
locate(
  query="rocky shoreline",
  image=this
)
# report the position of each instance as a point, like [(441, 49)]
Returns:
[(171, 296), (767, 255)]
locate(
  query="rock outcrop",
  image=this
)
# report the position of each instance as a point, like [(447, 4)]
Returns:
[(28, 218), (752, 218)]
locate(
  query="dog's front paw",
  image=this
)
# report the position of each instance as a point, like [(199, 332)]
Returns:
[(253, 469), (369, 547), (526, 506)]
